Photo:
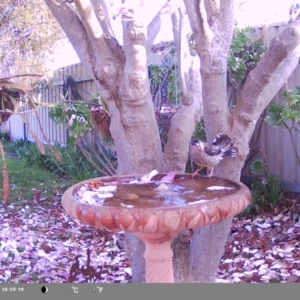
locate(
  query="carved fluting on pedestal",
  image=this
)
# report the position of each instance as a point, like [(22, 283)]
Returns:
[(158, 259)]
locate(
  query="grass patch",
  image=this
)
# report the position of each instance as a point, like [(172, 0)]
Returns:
[(73, 164), (35, 176), (30, 182)]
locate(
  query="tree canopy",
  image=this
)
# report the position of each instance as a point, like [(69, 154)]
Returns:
[(28, 33)]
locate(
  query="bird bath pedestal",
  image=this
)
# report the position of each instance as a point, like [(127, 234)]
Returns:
[(155, 210)]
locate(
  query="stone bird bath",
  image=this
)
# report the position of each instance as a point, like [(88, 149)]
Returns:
[(155, 207)]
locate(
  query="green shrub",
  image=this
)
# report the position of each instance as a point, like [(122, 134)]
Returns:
[(21, 143), (287, 115), (31, 156), (266, 189), (244, 54), (73, 164), (15, 146), (9, 147), (5, 136)]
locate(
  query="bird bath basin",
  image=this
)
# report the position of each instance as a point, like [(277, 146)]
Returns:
[(155, 208)]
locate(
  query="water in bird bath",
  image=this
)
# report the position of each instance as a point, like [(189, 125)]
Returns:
[(132, 192)]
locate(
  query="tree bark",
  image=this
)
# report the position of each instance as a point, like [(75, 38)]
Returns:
[(191, 104)]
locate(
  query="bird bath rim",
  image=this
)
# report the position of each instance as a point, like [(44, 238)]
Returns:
[(156, 220)]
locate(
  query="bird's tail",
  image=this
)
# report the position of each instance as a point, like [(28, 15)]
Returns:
[(224, 146)]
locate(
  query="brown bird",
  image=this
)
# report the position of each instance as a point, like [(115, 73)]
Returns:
[(101, 120), (206, 156)]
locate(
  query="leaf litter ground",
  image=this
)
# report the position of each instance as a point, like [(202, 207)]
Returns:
[(40, 243)]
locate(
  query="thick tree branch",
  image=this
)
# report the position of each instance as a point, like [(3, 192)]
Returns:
[(212, 8), (104, 44), (179, 136), (153, 28), (183, 124), (101, 54), (152, 31), (212, 24), (199, 23), (89, 19), (273, 70), (214, 40), (72, 26), (193, 12), (155, 25), (243, 125), (184, 53), (181, 30), (175, 17), (226, 12), (135, 85), (103, 16)]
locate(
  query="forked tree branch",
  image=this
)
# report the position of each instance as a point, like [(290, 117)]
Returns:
[(104, 45), (103, 16), (199, 23), (184, 54)]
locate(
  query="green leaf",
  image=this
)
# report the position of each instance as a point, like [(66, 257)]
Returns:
[(274, 115)]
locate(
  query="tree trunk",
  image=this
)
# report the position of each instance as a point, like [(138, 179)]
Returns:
[(206, 250), (135, 249)]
